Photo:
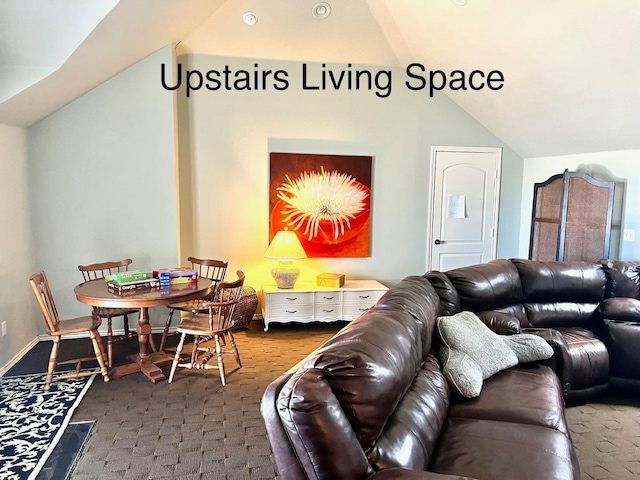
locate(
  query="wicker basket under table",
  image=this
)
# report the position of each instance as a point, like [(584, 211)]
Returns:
[(245, 308)]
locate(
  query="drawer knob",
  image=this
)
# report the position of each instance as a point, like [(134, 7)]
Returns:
[(328, 298), (364, 296), (291, 311), (292, 299), (328, 310)]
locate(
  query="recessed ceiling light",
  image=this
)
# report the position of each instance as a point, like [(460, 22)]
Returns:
[(321, 10), (460, 3), (250, 18)]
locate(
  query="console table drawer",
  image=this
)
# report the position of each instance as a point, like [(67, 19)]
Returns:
[(367, 297), (290, 312), (291, 298), (353, 311), (324, 313), (328, 298)]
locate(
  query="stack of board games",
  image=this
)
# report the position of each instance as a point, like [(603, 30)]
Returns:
[(173, 276), (122, 282)]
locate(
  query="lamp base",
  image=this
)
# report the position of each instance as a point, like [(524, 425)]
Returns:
[(285, 274)]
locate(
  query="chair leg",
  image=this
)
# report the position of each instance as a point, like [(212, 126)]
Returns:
[(223, 377), (97, 347), (103, 352), (127, 332), (109, 342), (234, 347), (53, 361), (152, 343), (176, 359), (194, 352), (165, 332)]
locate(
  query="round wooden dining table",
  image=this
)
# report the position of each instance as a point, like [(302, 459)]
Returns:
[(97, 294)]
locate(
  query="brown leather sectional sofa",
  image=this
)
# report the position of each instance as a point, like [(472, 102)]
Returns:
[(372, 402), (588, 311)]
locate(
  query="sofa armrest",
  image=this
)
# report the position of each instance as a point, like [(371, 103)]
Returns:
[(561, 361), (621, 308), (499, 322), (408, 474), (282, 449)]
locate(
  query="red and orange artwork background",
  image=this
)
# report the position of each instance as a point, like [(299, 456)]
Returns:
[(325, 199)]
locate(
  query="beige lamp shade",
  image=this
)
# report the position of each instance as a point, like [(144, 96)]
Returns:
[(286, 248)]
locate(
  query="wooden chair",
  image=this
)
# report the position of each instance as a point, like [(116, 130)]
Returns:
[(214, 326), (101, 270), (56, 328), (214, 270)]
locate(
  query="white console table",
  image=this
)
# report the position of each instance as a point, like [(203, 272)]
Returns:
[(307, 302)]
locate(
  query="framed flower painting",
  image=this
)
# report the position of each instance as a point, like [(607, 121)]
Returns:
[(325, 199)]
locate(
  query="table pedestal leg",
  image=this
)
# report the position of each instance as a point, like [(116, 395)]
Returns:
[(144, 330), (145, 362)]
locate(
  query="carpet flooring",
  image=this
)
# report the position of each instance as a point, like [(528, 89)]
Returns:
[(196, 429)]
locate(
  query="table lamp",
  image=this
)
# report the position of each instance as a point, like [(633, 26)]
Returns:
[(286, 248)]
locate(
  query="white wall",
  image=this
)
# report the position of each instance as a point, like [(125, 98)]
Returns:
[(621, 166), (102, 180), (226, 137), (17, 302)]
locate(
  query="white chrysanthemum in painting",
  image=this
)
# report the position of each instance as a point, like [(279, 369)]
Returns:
[(319, 196)]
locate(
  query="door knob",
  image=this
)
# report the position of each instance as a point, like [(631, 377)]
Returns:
[(437, 242)]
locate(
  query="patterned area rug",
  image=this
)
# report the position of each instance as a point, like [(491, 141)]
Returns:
[(32, 421)]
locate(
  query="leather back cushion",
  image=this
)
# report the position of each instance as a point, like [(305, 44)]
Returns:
[(449, 298), (415, 295), (370, 365), (582, 282), (623, 278), (409, 437), (487, 286), (561, 294)]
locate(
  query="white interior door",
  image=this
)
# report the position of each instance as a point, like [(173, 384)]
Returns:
[(465, 185)]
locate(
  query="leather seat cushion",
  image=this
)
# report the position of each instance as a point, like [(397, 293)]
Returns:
[(488, 449), (589, 357), (528, 394)]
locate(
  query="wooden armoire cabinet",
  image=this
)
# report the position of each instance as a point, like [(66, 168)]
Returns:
[(572, 214)]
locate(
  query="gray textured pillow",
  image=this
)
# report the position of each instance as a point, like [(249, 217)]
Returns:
[(528, 347), (470, 352)]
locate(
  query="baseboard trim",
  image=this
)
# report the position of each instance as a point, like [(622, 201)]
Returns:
[(18, 356)]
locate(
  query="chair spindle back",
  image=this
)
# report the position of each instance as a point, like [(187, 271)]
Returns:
[(103, 269), (214, 270), (226, 297), (41, 288)]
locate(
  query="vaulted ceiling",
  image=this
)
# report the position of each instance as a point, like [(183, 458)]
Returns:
[(571, 68)]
